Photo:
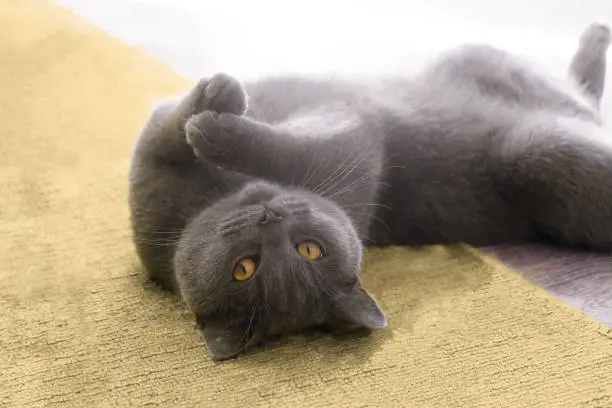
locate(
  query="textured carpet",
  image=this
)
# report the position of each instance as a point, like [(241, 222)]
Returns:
[(79, 328)]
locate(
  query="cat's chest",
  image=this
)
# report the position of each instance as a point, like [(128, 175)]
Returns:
[(327, 120)]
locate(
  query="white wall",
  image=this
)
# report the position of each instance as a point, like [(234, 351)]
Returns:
[(250, 37)]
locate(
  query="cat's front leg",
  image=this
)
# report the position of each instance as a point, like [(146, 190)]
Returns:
[(234, 142), (220, 93), (162, 138), (259, 150), (344, 165), (324, 159)]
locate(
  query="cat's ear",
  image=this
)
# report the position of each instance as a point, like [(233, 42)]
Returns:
[(358, 307), (224, 342)]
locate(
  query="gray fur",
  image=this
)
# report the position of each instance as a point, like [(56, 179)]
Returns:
[(478, 148)]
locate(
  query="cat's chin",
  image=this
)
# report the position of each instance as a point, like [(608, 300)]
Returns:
[(224, 344)]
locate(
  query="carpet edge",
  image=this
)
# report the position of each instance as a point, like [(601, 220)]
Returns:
[(542, 293)]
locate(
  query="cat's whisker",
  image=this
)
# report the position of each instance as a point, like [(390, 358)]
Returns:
[(359, 181), (309, 175), (355, 184), (372, 216), (173, 241), (250, 324), (157, 243), (352, 186), (368, 174), (331, 176), (325, 288), (346, 167), (158, 238), (344, 170), (367, 205), (307, 276), (344, 173)]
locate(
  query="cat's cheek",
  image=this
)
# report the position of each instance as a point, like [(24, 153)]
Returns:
[(188, 297), (190, 289)]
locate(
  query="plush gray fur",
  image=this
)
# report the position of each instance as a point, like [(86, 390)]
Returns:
[(479, 148)]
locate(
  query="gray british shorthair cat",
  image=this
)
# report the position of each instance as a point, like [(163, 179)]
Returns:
[(258, 216)]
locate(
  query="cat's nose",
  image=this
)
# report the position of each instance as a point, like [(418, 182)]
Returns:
[(270, 216)]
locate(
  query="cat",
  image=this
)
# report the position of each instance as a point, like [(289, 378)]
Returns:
[(255, 201)]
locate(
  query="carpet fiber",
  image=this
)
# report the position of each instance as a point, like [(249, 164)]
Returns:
[(79, 328)]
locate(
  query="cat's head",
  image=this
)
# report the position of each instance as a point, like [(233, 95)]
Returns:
[(268, 261)]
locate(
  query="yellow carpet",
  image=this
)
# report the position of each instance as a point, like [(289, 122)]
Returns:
[(77, 327)]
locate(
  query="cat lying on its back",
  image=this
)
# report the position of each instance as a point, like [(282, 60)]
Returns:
[(258, 216)]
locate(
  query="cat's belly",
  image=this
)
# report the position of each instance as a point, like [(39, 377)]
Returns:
[(430, 203), (417, 235), (407, 228)]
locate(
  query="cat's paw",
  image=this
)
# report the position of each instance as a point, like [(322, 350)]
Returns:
[(221, 93), (596, 35), (209, 134)]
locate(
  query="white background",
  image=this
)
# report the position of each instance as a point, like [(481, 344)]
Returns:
[(248, 38)]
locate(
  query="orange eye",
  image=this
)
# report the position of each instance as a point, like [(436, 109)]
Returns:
[(244, 269), (310, 250)]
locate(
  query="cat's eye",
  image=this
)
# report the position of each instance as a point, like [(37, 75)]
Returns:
[(244, 269), (310, 250)]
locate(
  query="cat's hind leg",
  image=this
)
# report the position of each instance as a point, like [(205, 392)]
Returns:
[(559, 172), (588, 65), (503, 76)]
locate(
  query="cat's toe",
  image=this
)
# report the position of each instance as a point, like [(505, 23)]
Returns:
[(206, 135), (597, 35), (222, 93)]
